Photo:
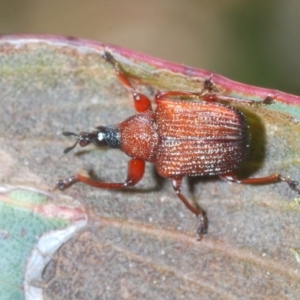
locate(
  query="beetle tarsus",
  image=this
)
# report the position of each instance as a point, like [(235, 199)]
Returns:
[(268, 100), (208, 84), (108, 56), (202, 229), (62, 184), (292, 184)]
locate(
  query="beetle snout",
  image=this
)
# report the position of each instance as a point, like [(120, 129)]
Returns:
[(83, 139), (86, 138)]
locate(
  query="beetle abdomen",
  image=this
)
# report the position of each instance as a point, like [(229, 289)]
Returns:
[(197, 138)]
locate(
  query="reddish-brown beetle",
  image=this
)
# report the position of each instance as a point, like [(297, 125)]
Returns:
[(182, 138)]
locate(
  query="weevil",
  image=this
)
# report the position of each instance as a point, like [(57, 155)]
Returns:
[(182, 138)]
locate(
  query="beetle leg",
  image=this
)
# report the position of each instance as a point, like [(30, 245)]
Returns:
[(141, 101), (202, 229), (135, 173), (262, 180), (64, 183), (168, 94), (210, 97)]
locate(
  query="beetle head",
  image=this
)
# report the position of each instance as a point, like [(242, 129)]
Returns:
[(83, 139)]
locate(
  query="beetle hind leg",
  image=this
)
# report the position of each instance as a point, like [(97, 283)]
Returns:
[(200, 214), (263, 180)]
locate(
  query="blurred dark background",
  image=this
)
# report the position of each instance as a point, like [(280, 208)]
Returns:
[(256, 42)]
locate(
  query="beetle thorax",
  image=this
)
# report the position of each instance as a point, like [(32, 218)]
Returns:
[(139, 137)]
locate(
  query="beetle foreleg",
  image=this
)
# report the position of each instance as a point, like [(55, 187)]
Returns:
[(135, 173), (65, 183), (262, 180), (202, 229), (141, 101)]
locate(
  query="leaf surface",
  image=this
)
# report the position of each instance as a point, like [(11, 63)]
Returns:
[(141, 242)]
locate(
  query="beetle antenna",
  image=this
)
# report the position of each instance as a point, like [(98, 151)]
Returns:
[(67, 133)]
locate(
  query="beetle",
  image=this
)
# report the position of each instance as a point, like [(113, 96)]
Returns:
[(182, 138)]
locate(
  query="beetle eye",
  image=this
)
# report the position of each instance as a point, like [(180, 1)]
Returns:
[(100, 136)]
